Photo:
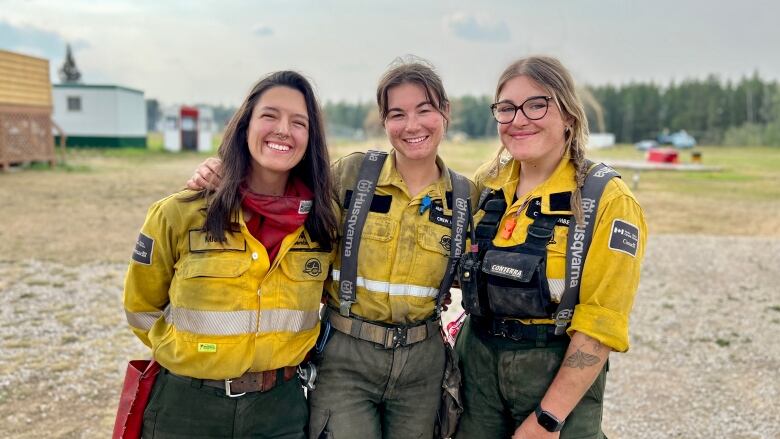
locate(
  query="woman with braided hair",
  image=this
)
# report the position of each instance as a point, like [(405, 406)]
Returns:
[(521, 377)]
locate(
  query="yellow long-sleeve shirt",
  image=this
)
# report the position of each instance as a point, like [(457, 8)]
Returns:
[(610, 276), (403, 253), (216, 310)]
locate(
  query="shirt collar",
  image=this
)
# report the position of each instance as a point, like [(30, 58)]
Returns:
[(391, 176), (560, 181)]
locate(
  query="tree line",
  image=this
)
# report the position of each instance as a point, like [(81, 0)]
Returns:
[(716, 112)]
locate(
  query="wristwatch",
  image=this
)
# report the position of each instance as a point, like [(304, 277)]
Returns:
[(547, 420)]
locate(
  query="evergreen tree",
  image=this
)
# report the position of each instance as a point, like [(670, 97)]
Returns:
[(69, 73)]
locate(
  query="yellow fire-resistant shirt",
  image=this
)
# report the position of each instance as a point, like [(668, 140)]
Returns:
[(610, 276), (403, 253), (216, 310)]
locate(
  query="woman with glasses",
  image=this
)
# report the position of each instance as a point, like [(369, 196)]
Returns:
[(521, 377)]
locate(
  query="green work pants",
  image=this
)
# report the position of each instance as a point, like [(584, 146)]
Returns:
[(183, 408), (365, 391), (504, 381)]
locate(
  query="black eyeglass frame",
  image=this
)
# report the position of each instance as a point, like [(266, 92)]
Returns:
[(520, 107)]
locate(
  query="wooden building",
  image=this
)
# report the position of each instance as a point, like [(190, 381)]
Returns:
[(25, 110)]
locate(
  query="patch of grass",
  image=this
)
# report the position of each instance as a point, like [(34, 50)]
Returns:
[(774, 308), (37, 282), (18, 344), (24, 296), (667, 306), (68, 339), (58, 284), (60, 367), (65, 319), (722, 342)]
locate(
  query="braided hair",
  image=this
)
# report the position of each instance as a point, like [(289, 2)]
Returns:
[(550, 74)]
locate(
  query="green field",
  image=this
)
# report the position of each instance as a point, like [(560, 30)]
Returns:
[(95, 202)]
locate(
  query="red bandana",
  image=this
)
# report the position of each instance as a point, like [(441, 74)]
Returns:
[(274, 217)]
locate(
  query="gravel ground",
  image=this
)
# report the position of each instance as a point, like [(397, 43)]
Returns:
[(703, 363)]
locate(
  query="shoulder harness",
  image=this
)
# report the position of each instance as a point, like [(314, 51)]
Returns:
[(357, 212)]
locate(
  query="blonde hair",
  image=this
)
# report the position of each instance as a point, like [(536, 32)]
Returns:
[(549, 73)]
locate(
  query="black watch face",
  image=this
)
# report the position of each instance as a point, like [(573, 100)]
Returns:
[(547, 422)]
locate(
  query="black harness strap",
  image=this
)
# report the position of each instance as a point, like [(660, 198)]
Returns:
[(494, 206), (578, 242), (357, 212), (461, 212)]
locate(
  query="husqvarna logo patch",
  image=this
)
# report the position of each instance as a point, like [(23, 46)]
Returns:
[(602, 172), (313, 267), (364, 185)]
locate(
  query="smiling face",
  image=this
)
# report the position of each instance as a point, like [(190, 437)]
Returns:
[(278, 132), (532, 141), (413, 124)]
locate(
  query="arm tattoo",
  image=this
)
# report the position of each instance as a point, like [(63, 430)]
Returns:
[(581, 360)]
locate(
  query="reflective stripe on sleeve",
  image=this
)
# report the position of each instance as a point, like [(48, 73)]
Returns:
[(377, 286), (227, 322), (142, 320)]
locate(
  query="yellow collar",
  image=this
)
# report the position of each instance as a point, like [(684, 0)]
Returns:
[(561, 181), (391, 176)]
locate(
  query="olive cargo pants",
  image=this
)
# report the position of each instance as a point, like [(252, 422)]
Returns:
[(504, 381), (365, 391), (180, 408)]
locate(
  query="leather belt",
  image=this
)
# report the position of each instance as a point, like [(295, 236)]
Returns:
[(248, 382), (389, 336), (516, 330)]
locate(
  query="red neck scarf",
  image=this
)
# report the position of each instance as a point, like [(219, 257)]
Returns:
[(274, 217)]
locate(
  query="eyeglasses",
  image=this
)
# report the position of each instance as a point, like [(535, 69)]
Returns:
[(533, 108)]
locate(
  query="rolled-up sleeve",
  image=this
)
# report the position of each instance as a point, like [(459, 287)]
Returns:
[(611, 272)]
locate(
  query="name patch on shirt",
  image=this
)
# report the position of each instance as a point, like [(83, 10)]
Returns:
[(624, 237), (144, 246), (201, 242), (436, 215), (535, 208)]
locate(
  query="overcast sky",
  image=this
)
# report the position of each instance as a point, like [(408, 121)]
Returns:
[(212, 51)]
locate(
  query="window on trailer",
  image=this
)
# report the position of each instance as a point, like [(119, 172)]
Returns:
[(74, 103)]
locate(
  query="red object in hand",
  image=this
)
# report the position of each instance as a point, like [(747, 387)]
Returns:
[(139, 379)]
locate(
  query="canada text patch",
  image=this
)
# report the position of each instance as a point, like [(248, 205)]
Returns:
[(624, 237), (142, 253)]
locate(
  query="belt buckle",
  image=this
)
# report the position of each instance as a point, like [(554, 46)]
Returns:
[(399, 337), (502, 329), (229, 393)]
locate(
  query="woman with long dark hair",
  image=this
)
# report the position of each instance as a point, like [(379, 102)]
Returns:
[(224, 286), (382, 358)]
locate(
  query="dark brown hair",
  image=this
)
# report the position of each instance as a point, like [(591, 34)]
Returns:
[(417, 72), (313, 169)]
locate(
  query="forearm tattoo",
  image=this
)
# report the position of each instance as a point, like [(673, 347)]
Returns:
[(581, 360)]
